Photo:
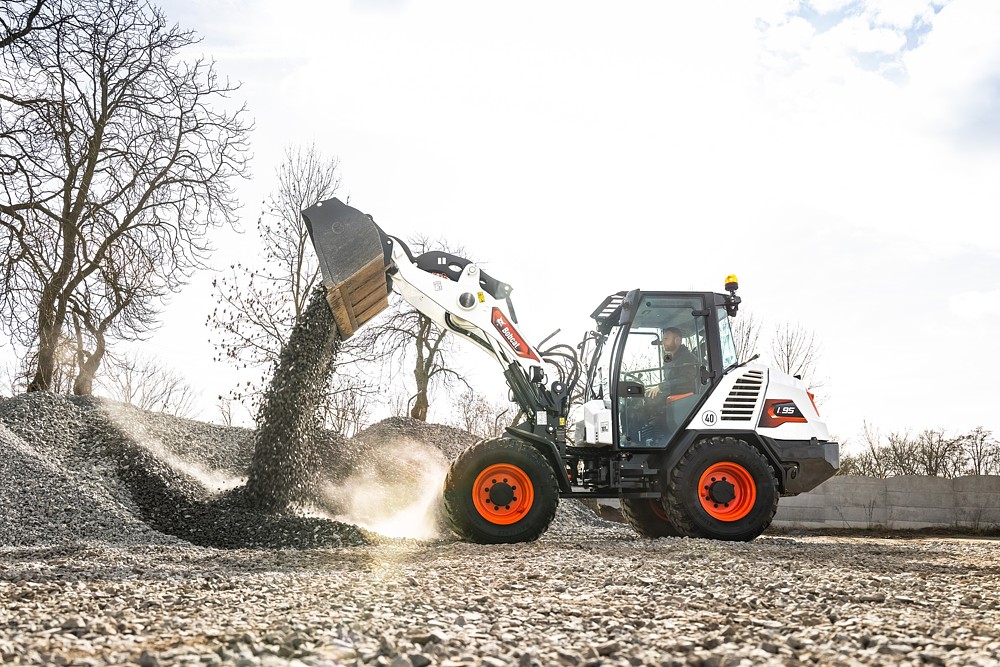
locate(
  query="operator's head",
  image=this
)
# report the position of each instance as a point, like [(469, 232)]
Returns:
[(670, 338)]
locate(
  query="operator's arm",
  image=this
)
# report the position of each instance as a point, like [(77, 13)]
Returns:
[(661, 388), (680, 376)]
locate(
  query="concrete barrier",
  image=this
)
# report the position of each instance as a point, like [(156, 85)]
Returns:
[(896, 503)]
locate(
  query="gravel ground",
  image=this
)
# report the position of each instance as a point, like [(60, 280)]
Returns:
[(596, 595), (121, 543)]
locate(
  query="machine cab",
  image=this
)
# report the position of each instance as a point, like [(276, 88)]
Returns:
[(658, 357)]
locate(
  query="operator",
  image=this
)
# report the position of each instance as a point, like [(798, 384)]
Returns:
[(680, 370)]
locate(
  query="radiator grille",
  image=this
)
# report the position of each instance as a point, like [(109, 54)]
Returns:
[(742, 399)]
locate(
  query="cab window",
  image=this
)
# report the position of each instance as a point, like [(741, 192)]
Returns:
[(666, 351)]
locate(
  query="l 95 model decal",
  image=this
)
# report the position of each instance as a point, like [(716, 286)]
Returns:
[(509, 334), (778, 411)]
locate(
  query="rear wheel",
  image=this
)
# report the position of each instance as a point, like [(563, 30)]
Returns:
[(723, 489), (500, 490), (648, 517)]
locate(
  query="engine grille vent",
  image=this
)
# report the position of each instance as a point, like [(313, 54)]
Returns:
[(742, 399)]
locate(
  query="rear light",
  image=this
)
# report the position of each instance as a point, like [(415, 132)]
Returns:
[(812, 399)]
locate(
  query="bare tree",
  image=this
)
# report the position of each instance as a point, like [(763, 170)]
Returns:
[(982, 452), (939, 455), (225, 408), (114, 164), (259, 305), (795, 351), (406, 334), (746, 333), (932, 452), (148, 384), (347, 409), (873, 461), (64, 368), (399, 400), (480, 416), (18, 18), (901, 453)]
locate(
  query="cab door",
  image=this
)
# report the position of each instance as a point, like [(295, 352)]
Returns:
[(663, 369)]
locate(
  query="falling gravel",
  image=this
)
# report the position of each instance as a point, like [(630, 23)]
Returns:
[(286, 461)]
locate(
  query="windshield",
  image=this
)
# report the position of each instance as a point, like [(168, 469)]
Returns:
[(729, 358)]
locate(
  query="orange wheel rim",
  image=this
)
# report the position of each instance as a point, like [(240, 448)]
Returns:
[(658, 510), (503, 494), (727, 491)]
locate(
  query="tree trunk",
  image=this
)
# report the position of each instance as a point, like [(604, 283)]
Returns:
[(42, 381), (88, 364), (83, 385), (422, 402), (421, 371), (48, 344), (420, 406)]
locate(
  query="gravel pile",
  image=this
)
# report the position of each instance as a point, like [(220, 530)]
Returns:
[(577, 599), (448, 440), (84, 469)]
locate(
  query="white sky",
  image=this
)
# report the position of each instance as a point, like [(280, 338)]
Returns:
[(842, 158)]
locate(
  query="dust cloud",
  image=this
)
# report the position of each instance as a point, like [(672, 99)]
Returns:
[(395, 491)]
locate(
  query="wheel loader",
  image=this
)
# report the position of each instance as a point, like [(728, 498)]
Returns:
[(689, 440)]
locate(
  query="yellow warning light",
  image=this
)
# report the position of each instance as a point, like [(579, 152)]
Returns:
[(732, 284)]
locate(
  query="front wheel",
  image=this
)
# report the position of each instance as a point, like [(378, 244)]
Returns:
[(500, 490), (723, 489)]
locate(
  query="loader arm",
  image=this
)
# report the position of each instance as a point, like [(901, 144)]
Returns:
[(361, 264)]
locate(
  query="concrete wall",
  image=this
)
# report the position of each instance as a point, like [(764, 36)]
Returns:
[(895, 503)]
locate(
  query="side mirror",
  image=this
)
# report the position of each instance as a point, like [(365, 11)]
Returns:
[(629, 389)]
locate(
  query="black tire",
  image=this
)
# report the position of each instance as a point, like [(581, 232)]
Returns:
[(468, 509), (690, 514), (648, 517)]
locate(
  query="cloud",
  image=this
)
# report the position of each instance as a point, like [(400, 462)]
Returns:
[(975, 306), (955, 75)]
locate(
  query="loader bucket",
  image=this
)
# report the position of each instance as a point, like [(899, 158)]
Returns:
[(352, 254)]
